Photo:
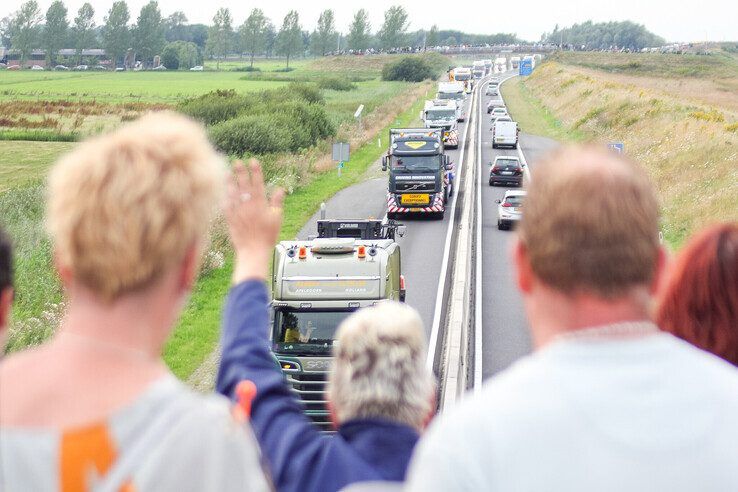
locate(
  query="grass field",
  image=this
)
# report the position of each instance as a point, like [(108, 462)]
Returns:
[(688, 146), (22, 163)]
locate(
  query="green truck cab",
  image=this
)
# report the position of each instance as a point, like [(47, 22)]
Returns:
[(316, 285)]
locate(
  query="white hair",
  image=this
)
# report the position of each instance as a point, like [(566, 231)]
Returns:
[(379, 368)]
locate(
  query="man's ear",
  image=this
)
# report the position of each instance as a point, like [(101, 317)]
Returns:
[(523, 272), (332, 415), (431, 412), (661, 272), (64, 272), (190, 267), (6, 301)]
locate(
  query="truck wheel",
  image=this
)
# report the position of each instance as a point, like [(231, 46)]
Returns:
[(439, 215), (499, 226), (391, 216), (491, 183), (515, 146), (494, 146), (445, 196)]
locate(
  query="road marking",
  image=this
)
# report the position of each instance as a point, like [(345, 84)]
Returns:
[(478, 354), (436, 325)]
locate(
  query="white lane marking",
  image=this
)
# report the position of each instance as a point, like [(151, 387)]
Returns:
[(478, 354), (478, 328), (435, 327)]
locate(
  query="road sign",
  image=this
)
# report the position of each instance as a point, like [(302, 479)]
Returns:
[(341, 152), (616, 147), (525, 67)]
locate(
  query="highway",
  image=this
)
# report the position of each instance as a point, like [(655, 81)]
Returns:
[(502, 327)]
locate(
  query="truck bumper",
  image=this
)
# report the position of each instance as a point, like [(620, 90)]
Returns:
[(395, 208)]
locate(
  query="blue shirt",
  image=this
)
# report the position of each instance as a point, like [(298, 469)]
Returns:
[(300, 457)]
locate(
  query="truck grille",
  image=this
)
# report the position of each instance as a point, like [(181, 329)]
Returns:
[(310, 389), (419, 187)]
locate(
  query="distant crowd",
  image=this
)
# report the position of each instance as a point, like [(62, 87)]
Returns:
[(632, 384)]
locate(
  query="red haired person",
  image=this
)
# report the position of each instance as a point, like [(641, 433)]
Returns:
[(700, 300)]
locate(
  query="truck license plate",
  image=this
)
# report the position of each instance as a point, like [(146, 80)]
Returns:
[(415, 199)]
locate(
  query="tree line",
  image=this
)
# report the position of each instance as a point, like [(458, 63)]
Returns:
[(604, 35), (182, 44)]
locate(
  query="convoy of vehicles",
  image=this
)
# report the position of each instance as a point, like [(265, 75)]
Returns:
[(421, 178), (487, 65), (455, 92), (510, 209), (443, 114), (318, 283), (506, 170), (501, 64), (514, 62)]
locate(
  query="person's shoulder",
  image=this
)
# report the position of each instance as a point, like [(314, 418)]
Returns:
[(716, 371)]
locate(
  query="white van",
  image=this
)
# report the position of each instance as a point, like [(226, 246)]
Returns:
[(505, 133)]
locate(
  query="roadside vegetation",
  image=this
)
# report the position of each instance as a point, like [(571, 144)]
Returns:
[(301, 164), (689, 147)]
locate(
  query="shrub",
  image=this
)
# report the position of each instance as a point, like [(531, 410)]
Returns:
[(301, 90), (251, 134), (409, 69), (180, 55), (38, 136), (336, 84), (217, 106), (732, 127), (247, 68)]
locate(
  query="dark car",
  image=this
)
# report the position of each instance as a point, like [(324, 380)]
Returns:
[(506, 170)]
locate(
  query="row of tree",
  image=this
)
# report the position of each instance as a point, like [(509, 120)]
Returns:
[(604, 35), (28, 29)]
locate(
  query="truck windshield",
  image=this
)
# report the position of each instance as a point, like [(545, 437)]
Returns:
[(440, 114), (451, 95), (427, 163), (302, 332)]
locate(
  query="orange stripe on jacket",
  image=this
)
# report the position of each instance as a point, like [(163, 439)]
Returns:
[(90, 449)]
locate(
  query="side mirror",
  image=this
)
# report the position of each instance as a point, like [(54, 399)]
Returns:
[(384, 163), (498, 201)]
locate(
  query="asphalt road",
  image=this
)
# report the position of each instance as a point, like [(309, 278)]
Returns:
[(504, 327), (423, 245), (505, 335)]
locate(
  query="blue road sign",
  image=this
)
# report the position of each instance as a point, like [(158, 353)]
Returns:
[(525, 68), (616, 147)]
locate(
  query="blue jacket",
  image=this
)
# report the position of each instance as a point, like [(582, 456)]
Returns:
[(300, 457)]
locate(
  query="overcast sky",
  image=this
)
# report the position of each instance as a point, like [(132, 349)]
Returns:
[(715, 20)]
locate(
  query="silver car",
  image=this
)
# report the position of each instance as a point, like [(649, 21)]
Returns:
[(510, 209)]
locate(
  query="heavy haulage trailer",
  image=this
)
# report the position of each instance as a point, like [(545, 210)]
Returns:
[(317, 284), (421, 175)]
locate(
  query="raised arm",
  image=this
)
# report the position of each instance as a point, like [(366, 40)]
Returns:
[(287, 437)]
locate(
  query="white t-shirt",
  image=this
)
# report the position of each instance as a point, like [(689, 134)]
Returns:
[(644, 414), (169, 438)]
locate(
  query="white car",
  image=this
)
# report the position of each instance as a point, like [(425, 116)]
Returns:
[(197, 68), (37, 67), (498, 111), (81, 67), (510, 209), (493, 89)]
